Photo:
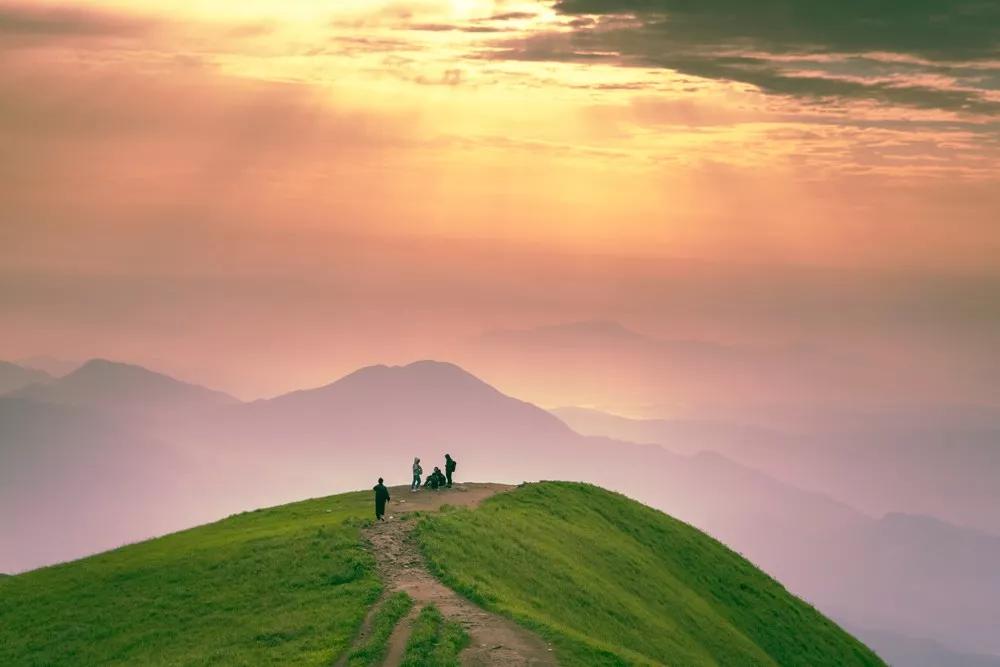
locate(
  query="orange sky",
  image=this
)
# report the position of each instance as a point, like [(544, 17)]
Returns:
[(263, 194)]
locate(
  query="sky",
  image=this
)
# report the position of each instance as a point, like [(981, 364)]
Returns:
[(267, 194)]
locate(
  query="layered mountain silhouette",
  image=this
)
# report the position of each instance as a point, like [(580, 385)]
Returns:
[(123, 387), (13, 377), (894, 571), (54, 366), (897, 649), (74, 480), (927, 462), (579, 361), (427, 401), (204, 455)]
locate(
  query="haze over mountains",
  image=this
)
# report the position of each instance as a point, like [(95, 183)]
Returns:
[(142, 453), (943, 465), (606, 365), (794, 386)]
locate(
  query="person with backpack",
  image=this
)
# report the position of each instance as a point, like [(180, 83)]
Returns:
[(449, 467), (417, 472), (381, 498)]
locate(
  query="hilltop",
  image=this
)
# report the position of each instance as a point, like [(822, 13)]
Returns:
[(601, 578)]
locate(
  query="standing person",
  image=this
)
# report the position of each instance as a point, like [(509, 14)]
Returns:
[(381, 498), (417, 472), (449, 467)]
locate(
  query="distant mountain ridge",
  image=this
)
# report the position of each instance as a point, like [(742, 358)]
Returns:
[(425, 396), (922, 463), (905, 651), (118, 386), (75, 479), (14, 377), (372, 423), (53, 366)]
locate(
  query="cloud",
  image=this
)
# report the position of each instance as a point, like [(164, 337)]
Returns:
[(925, 54), (934, 29), (451, 27), (512, 16), (27, 20)]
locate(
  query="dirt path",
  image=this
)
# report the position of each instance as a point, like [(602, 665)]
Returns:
[(494, 640)]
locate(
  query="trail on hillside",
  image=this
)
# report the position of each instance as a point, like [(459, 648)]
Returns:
[(494, 640)]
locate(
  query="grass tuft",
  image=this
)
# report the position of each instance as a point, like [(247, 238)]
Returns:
[(386, 617), (434, 641)]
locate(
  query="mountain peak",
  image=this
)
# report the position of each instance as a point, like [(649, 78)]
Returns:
[(426, 371), (14, 377), (425, 400), (438, 369), (106, 367), (115, 384), (53, 366)]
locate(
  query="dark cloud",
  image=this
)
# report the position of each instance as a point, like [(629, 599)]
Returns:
[(796, 47), (451, 27), (511, 16), (772, 78), (934, 29), (26, 20)]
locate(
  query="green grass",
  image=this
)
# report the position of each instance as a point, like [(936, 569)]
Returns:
[(372, 651), (287, 585), (606, 580), (612, 582), (434, 641)]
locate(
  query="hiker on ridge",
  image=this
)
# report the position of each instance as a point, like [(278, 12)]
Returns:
[(417, 472), (449, 467), (381, 498)]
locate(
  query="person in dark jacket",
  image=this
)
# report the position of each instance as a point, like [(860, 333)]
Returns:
[(449, 467), (436, 479), (381, 498)]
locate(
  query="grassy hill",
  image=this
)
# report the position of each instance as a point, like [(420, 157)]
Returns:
[(605, 579), (287, 585), (612, 582)]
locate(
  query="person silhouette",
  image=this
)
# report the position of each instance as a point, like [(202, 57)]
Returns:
[(417, 472), (436, 479), (449, 467), (381, 498)]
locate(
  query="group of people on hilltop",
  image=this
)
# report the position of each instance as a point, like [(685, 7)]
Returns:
[(436, 480)]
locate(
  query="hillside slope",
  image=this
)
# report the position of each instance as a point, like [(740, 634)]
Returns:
[(611, 581), (605, 579), (286, 585)]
